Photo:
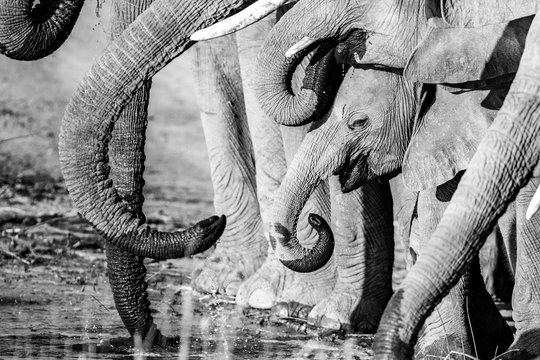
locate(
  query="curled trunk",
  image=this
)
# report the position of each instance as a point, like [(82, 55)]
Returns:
[(30, 32), (153, 40), (313, 162), (275, 70), (501, 166)]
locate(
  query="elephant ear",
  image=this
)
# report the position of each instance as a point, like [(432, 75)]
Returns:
[(476, 13), (446, 136), (457, 55)]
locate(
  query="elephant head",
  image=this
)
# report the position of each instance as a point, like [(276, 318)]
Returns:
[(380, 124), (359, 112), (30, 32)]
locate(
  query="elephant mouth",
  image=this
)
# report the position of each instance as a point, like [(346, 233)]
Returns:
[(352, 173)]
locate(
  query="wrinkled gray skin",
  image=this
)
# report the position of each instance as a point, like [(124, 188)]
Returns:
[(392, 29), (386, 34), (116, 211), (374, 131), (502, 169), (226, 82), (30, 32), (84, 140)]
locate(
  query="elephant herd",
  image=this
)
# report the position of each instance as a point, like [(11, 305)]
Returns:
[(322, 110)]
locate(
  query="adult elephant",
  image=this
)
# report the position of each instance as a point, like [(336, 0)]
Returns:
[(119, 218), (29, 32), (502, 169)]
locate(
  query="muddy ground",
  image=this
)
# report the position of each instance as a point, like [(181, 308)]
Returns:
[(56, 301)]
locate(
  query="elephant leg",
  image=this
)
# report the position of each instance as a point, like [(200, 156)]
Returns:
[(466, 321), (242, 247), (304, 290), (526, 296), (272, 282), (126, 271), (262, 290), (364, 253)]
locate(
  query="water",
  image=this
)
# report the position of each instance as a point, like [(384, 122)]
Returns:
[(59, 305)]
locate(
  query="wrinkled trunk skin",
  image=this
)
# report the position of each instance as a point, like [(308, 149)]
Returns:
[(126, 271), (30, 32), (276, 94), (468, 310), (501, 166), (497, 257), (155, 38), (228, 140), (305, 173)]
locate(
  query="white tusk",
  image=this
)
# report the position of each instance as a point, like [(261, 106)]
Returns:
[(244, 18), (534, 205), (299, 46)]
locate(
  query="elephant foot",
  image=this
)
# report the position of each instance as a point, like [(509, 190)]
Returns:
[(305, 291), (265, 286), (225, 270), (464, 328), (348, 311)]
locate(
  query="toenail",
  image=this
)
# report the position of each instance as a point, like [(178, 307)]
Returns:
[(330, 323)]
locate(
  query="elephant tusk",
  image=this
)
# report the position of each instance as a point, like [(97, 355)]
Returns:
[(534, 205), (244, 18), (299, 46)]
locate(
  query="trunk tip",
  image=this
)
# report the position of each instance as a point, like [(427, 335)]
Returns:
[(309, 260)]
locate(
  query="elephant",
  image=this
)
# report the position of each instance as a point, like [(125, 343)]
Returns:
[(503, 168), (115, 207), (295, 294), (29, 32), (234, 126), (380, 124)]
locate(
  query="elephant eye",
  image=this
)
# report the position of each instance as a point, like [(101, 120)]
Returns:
[(357, 121)]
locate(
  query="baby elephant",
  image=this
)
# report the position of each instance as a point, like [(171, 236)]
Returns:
[(381, 124)]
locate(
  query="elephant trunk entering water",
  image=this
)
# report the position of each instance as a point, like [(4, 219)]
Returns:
[(30, 32)]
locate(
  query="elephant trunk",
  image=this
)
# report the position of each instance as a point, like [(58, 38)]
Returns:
[(314, 161), (149, 43), (126, 272), (32, 32), (502, 164), (323, 75)]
